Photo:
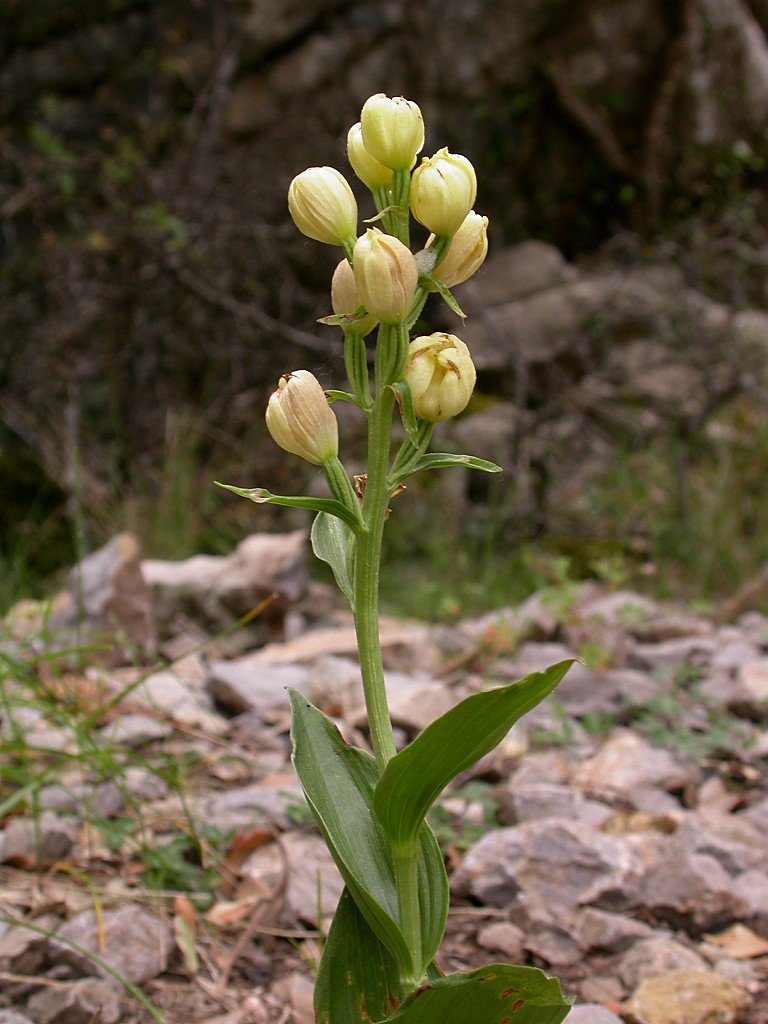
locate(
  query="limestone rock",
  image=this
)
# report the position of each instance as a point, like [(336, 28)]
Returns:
[(600, 930), (312, 881), (109, 603), (80, 1002), (688, 997), (43, 841), (554, 863), (592, 1013), (247, 685), (691, 889), (137, 944), (627, 761), (656, 955), (218, 590)]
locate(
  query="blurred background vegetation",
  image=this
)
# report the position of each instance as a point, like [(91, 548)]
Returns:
[(153, 287)]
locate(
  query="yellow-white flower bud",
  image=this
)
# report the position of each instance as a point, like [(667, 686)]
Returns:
[(469, 247), (386, 276), (393, 130), (367, 168), (322, 205), (300, 419), (443, 191), (441, 376), (345, 298)]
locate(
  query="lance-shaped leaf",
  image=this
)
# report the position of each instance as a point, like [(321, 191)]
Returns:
[(497, 994), (345, 396), (333, 542), (264, 497), (338, 782), (416, 776), (447, 296), (358, 980), (443, 460), (402, 390)]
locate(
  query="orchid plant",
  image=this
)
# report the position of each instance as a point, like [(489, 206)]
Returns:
[(378, 962)]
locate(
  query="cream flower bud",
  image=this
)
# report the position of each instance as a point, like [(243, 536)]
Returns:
[(441, 376), (443, 191), (345, 299), (300, 419), (393, 130), (367, 168), (469, 247), (386, 276), (322, 205)]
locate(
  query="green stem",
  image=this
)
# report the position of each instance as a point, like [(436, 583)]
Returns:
[(401, 188), (368, 558), (341, 487), (407, 879)]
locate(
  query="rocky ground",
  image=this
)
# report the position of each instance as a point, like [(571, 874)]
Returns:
[(157, 857)]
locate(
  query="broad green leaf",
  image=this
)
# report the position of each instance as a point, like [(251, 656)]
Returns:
[(333, 542), (416, 776), (264, 497), (338, 782), (497, 994), (402, 390), (441, 460), (358, 980)]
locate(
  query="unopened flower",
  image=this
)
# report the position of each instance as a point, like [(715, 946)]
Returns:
[(366, 167), (443, 191), (441, 376), (386, 276), (300, 419), (346, 300), (322, 205), (393, 130), (469, 247)]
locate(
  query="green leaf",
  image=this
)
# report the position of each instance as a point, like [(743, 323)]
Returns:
[(497, 994), (264, 497), (344, 319), (415, 777), (443, 460), (338, 782), (447, 297), (356, 365), (358, 980), (402, 390), (333, 542), (344, 396)]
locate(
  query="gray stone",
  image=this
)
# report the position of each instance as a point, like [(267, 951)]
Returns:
[(553, 863), (79, 1002), (732, 840), (601, 931), (627, 761), (691, 889), (418, 705), (659, 954), (46, 839), (136, 943), (538, 800), (246, 685), (167, 693), (304, 866), (218, 590), (503, 937), (12, 1017), (246, 806), (108, 600), (22, 951), (668, 654), (134, 731), (102, 801)]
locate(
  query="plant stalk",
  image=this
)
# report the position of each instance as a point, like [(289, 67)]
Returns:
[(407, 879), (368, 557)]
